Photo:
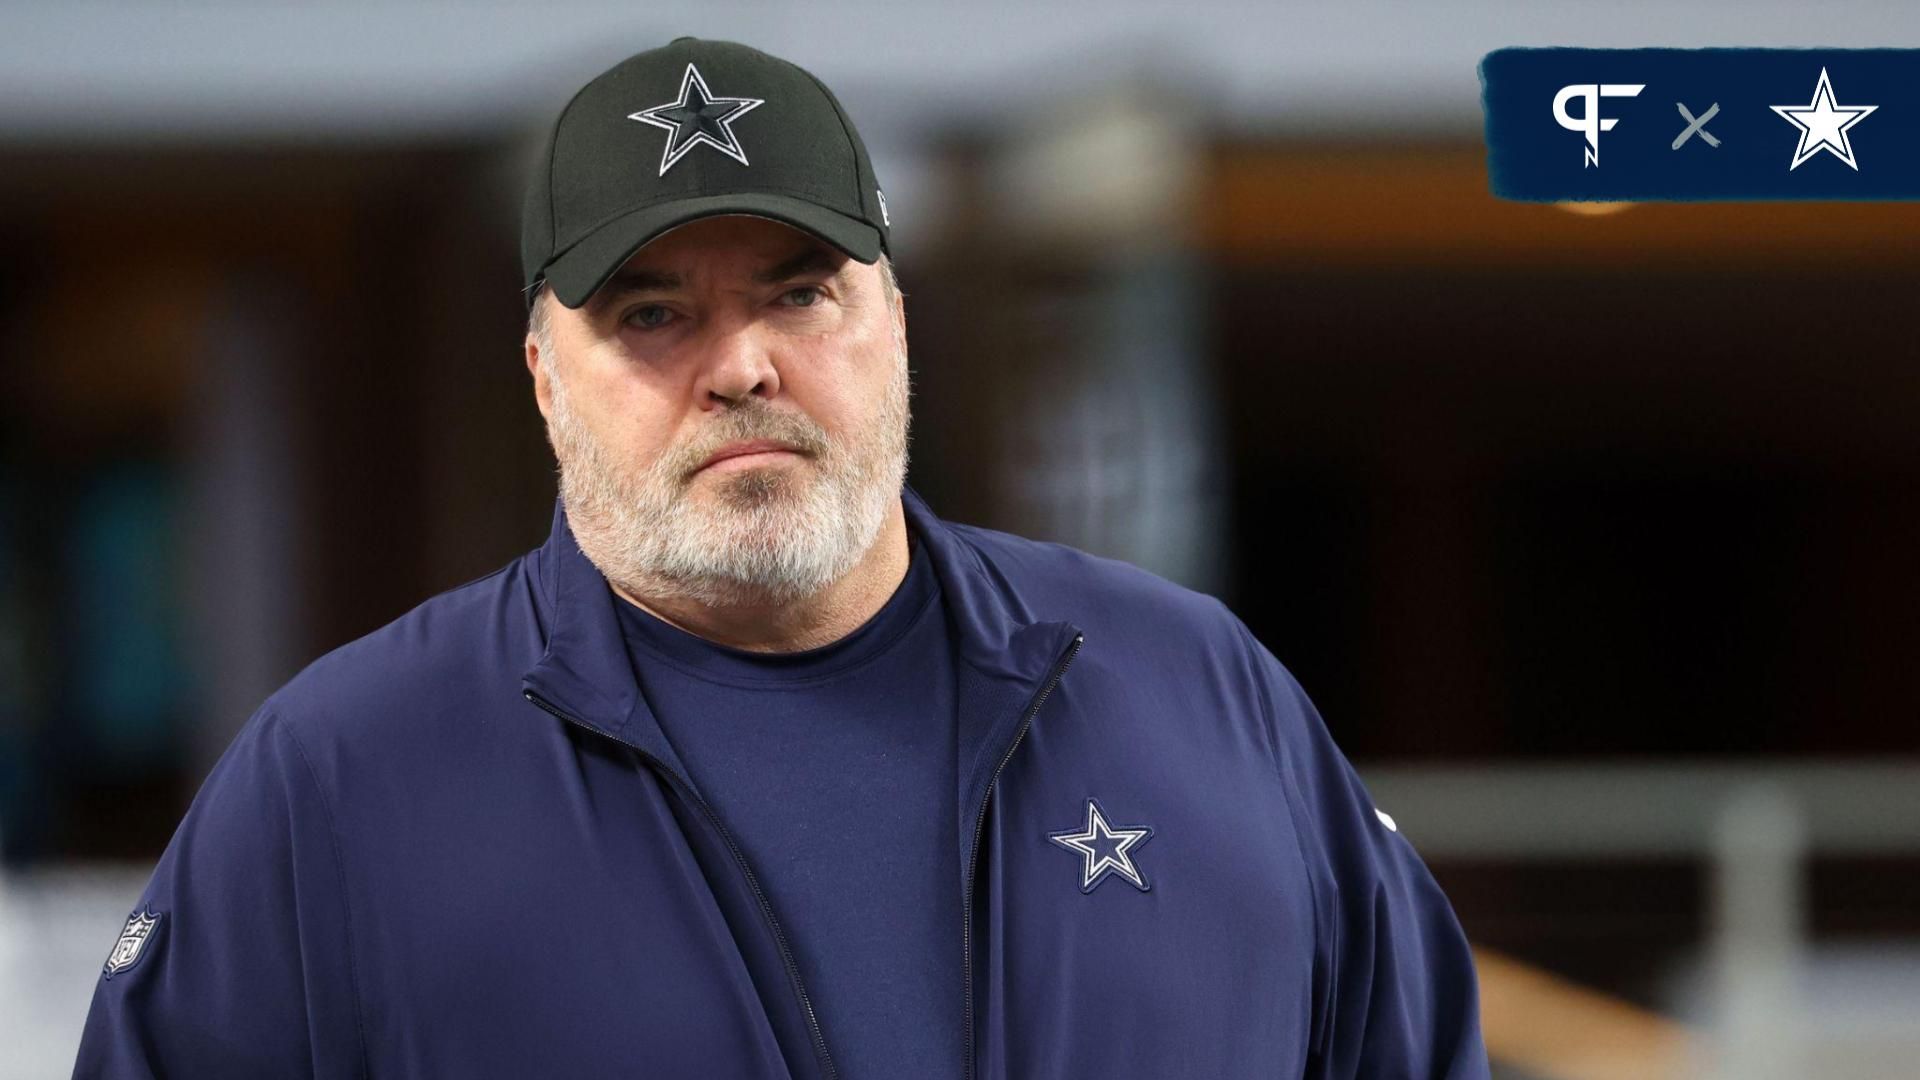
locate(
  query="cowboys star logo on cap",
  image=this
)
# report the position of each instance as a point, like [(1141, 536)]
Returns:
[(699, 116)]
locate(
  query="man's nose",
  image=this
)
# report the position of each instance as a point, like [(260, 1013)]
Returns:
[(738, 362)]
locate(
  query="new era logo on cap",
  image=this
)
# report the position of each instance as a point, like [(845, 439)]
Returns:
[(693, 129)]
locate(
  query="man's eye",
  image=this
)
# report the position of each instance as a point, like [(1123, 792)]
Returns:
[(649, 316), (810, 293)]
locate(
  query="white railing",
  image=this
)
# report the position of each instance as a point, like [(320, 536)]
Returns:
[(1756, 825)]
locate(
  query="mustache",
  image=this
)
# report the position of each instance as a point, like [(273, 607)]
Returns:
[(756, 421)]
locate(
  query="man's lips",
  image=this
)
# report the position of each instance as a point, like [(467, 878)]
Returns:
[(749, 448)]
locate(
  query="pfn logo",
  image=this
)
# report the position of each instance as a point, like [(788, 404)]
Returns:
[(1589, 122)]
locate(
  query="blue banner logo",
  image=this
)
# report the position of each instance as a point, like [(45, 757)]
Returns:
[(1696, 124)]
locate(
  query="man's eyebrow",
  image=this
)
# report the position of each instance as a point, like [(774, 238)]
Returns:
[(633, 281), (812, 260), (627, 282)]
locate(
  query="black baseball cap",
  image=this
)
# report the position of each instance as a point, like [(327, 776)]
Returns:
[(693, 129)]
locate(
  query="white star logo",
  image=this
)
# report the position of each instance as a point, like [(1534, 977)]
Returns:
[(1823, 125), (698, 116), (1103, 849)]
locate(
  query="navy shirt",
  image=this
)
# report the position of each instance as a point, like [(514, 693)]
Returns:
[(834, 770)]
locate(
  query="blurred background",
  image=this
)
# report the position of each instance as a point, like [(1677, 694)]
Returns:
[(1591, 530)]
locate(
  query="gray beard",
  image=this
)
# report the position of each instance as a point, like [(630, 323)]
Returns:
[(761, 536)]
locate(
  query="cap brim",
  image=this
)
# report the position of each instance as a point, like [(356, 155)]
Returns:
[(580, 270)]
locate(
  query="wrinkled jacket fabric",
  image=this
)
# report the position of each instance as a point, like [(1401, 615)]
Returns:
[(461, 847)]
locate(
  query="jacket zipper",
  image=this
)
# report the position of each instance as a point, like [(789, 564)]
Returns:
[(979, 823), (739, 858)]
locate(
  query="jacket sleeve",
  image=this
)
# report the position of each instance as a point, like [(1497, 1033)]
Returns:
[(1396, 997), (236, 961)]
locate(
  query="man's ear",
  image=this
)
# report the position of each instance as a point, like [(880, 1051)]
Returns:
[(542, 386)]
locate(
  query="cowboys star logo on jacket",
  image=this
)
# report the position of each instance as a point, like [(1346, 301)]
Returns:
[(461, 846)]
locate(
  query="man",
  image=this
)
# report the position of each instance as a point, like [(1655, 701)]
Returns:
[(758, 768)]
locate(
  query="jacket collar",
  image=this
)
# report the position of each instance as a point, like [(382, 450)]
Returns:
[(1003, 652)]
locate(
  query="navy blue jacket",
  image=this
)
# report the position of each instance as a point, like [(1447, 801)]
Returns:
[(461, 847)]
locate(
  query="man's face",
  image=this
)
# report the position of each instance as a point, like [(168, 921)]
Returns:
[(723, 331)]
